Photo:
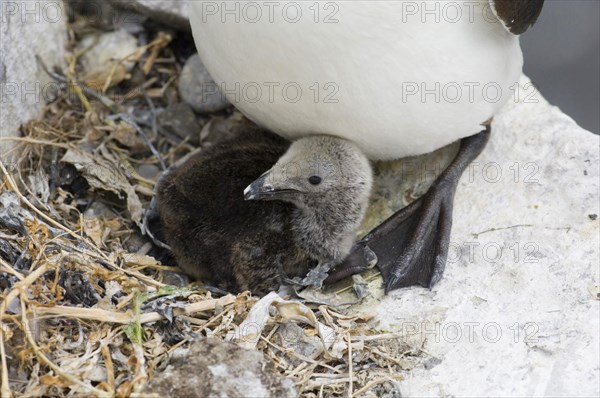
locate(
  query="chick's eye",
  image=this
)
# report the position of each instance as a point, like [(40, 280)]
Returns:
[(315, 180)]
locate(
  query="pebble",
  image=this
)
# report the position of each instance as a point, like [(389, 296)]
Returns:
[(175, 279), (179, 119), (99, 210), (148, 171), (198, 89), (111, 47)]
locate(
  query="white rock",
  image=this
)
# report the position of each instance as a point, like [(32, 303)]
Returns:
[(198, 89), (27, 29), (213, 368), (523, 264), (110, 48)]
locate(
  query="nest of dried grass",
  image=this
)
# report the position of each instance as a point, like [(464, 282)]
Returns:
[(86, 308)]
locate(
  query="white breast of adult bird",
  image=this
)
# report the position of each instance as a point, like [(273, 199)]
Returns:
[(398, 78)]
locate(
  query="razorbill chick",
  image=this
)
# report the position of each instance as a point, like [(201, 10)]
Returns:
[(397, 78), (238, 227)]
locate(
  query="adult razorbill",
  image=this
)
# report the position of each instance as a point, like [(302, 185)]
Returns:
[(396, 77)]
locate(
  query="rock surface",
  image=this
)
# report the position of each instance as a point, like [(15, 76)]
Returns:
[(198, 89), (27, 29), (169, 12), (215, 368), (516, 312), (102, 15)]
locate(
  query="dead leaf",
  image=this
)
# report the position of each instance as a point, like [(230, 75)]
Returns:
[(94, 229), (126, 135), (106, 76), (103, 171), (54, 381), (134, 259), (38, 183), (248, 333)]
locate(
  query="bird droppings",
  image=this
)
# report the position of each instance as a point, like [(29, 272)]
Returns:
[(91, 307)]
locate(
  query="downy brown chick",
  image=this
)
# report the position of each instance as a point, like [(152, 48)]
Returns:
[(233, 225)]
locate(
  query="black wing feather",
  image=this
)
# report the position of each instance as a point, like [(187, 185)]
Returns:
[(517, 15)]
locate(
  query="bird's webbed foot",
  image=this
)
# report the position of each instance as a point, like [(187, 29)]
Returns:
[(411, 246)]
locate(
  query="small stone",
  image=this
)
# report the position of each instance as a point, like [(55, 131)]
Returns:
[(110, 48), (216, 368), (431, 363), (295, 339), (593, 217), (179, 119), (148, 171), (198, 89), (175, 279), (99, 210)]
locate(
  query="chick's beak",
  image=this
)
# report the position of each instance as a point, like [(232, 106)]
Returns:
[(259, 189), (264, 188)]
